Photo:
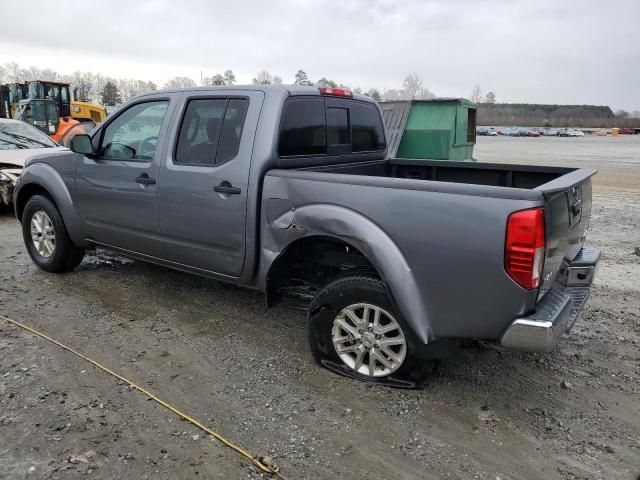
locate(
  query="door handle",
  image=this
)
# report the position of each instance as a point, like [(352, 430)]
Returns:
[(145, 180), (225, 187)]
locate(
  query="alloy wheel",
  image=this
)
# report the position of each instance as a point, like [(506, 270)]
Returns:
[(369, 340)]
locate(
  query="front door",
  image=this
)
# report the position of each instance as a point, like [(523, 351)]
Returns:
[(205, 176), (117, 188)]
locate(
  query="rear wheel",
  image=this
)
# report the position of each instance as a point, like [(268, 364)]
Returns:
[(355, 330), (46, 237)]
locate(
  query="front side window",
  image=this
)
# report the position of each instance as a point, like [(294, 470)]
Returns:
[(210, 131), (133, 134)]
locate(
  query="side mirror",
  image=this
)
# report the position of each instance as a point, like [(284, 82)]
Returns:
[(81, 144)]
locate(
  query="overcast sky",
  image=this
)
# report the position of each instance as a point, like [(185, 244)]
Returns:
[(538, 51)]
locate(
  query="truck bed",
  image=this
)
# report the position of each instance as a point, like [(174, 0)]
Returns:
[(457, 190), (490, 174)]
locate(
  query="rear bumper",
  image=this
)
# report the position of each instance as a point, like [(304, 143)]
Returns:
[(556, 313)]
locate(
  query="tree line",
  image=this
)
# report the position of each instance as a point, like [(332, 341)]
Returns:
[(540, 115), (96, 87)]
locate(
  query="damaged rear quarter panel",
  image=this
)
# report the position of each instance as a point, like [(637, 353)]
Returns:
[(441, 254)]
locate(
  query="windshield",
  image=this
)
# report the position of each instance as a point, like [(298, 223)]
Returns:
[(15, 135)]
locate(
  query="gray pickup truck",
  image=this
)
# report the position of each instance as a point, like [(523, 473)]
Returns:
[(288, 190)]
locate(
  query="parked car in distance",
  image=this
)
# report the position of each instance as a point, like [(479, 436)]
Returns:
[(18, 142), (533, 133), (289, 190)]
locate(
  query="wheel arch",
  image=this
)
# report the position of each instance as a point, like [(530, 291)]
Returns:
[(42, 179), (349, 228)]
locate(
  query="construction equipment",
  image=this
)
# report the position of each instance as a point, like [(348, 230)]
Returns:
[(59, 93), (47, 106)]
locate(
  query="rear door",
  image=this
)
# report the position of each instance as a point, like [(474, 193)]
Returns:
[(204, 180)]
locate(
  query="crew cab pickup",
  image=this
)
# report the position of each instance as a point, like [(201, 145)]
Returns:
[(288, 190)]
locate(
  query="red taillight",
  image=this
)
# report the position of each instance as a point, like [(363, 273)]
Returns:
[(524, 249), (336, 92)]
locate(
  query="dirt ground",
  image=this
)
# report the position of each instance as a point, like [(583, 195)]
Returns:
[(216, 352)]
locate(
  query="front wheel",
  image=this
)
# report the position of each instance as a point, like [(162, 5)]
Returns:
[(355, 330), (46, 237)]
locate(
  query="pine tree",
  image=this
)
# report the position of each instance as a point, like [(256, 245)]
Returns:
[(302, 79), (110, 95)]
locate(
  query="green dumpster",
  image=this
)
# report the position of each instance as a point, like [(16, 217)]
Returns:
[(436, 129)]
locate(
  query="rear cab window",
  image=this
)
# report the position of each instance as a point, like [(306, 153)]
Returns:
[(314, 126)]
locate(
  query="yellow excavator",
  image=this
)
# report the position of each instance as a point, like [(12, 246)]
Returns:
[(47, 106)]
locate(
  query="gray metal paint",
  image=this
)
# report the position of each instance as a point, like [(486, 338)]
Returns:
[(458, 239), (440, 246), (115, 208), (564, 240), (56, 173)]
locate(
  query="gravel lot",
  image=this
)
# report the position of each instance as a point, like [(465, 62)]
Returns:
[(216, 352)]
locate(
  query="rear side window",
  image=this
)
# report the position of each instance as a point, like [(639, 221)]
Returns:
[(338, 126), (315, 126), (304, 128), (210, 131), (367, 129)]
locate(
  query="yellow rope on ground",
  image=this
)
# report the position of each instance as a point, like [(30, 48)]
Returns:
[(216, 435)]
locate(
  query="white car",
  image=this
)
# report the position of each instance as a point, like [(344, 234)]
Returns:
[(18, 142), (576, 133)]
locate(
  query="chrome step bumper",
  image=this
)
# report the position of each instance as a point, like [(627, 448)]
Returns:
[(558, 310)]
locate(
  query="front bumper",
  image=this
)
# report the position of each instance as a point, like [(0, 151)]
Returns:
[(8, 179), (556, 313)]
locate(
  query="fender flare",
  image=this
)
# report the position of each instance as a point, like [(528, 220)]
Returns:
[(47, 178), (351, 227)]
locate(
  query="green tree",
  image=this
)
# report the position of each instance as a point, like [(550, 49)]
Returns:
[(302, 79), (110, 95)]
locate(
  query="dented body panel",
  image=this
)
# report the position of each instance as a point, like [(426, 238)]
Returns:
[(441, 254), (437, 243)]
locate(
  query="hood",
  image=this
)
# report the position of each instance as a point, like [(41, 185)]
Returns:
[(17, 157)]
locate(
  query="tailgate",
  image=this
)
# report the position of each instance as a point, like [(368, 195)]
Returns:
[(567, 214)]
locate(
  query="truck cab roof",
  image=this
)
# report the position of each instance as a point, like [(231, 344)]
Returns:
[(289, 90)]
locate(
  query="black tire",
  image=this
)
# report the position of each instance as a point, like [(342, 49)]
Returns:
[(351, 290), (66, 255)]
